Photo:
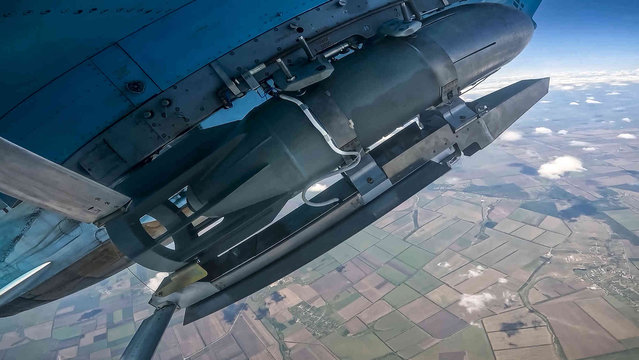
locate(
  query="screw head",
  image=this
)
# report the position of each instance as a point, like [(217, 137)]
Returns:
[(369, 180), (147, 114), (342, 3), (135, 87), (165, 102)]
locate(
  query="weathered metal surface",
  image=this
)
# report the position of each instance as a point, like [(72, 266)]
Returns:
[(34, 179)]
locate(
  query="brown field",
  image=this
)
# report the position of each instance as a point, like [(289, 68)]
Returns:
[(579, 335), (355, 326), (329, 285), (444, 296), (528, 232), (374, 287), (550, 239), (555, 224), (419, 309), (552, 287), (501, 340), (514, 319), (375, 311), (545, 352), (354, 308), (442, 325), (310, 351), (608, 317)]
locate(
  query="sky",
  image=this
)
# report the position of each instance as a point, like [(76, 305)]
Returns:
[(582, 35)]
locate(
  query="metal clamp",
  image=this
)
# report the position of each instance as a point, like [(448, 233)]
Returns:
[(369, 179)]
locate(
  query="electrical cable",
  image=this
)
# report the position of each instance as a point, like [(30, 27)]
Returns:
[(329, 140)]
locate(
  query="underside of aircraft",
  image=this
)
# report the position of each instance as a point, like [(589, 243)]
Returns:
[(185, 136)]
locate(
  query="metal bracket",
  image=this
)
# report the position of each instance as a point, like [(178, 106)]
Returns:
[(303, 76), (457, 113), (180, 279), (369, 179), (227, 80), (450, 91)]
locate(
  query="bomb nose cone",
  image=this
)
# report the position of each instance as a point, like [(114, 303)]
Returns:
[(480, 38)]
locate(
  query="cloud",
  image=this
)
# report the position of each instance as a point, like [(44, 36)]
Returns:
[(543, 130), (502, 280), (591, 100), (545, 101), (556, 168), (574, 103), (444, 264), (476, 302), (478, 270), (578, 143), (155, 281), (319, 187), (564, 81), (589, 148), (626, 136), (613, 93), (510, 135), (626, 120), (562, 132)]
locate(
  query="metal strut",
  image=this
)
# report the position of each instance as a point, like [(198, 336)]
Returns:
[(147, 338)]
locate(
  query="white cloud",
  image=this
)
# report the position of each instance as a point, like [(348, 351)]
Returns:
[(478, 270), (502, 280), (589, 148), (545, 101), (574, 103), (444, 264), (319, 187), (626, 136), (626, 120), (592, 100), (559, 166), (613, 93), (543, 130), (155, 281), (510, 135), (578, 143), (562, 132), (564, 81), (476, 302)]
